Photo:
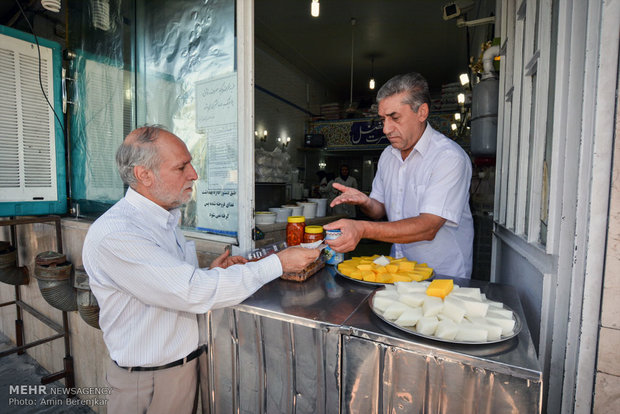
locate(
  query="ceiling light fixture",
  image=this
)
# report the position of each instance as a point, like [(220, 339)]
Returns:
[(457, 116), (464, 79), (460, 98), (51, 5), (371, 83), (315, 8), (284, 141)]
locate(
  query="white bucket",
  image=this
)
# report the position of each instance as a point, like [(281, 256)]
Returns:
[(321, 207), (309, 209), (282, 213), (295, 210)]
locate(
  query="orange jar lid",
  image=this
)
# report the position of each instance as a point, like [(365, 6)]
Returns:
[(296, 219), (314, 229)]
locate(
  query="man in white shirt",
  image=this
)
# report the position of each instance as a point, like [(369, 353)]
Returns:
[(422, 186), (147, 282), (346, 180)]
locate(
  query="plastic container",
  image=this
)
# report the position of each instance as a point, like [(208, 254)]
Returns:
[(295, 209), (309, 209), (333, 257), (264, 217), (313, 234), (281, 213), (321, 206), (295, 230)]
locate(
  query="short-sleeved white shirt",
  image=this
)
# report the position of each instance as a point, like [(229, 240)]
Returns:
[(435, 179)]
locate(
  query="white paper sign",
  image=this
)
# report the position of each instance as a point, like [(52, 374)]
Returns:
[(216, 101), (216, 116)]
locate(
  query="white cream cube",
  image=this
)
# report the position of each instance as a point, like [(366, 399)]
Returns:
[(471, 333), (432, 305), (474, 307), (470, 292), (507, 325), (427, 325), (494, 304), (409, 317), (446, 329), (454, 308), (395, 310), (389, 293), (494, 332), (504, 313), (410, 287), (381, 303), (413, 299)]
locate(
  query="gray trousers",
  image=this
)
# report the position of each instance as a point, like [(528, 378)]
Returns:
[(166, 391)]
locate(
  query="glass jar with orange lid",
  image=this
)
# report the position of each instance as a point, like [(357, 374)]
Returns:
[(295, 230), (313, 234)]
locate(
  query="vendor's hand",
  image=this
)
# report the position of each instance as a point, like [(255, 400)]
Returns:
[(349, 195), (352, 232), (295, 259), (224, 260)]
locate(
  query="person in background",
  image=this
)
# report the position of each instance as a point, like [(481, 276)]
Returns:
[(321, 187), (421, 185), (344, 179), (148, 284)]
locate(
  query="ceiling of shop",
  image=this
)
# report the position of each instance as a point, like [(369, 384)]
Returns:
[(400, 35)]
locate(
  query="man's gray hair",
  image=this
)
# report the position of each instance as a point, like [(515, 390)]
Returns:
[(142, 151), (413, 83)]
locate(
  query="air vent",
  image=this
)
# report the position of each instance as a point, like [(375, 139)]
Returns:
[(27, 148)]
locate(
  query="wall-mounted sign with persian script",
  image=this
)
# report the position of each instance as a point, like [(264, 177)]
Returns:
[(216, 118), (216, 101)]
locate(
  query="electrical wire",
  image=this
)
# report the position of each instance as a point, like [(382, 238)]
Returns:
[(36, 39)]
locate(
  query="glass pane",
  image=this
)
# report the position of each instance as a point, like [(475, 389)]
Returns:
[(99, 87), (187, 82)]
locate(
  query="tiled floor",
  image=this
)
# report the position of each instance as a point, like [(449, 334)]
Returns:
[(20, 379)]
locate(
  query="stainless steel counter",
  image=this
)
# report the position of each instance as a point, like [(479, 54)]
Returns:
[(316, 347)]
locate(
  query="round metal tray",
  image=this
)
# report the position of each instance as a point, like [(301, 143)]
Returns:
[(363, 282), (515, 332)]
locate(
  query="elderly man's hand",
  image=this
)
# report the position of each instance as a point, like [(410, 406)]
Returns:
[(224, 260), (295, 259), (349, 195), (352, 232)]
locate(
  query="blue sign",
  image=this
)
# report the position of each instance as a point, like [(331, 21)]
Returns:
[(368, 133)]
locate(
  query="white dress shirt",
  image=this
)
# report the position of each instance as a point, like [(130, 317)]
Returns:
[(149, 287), (434, 178)]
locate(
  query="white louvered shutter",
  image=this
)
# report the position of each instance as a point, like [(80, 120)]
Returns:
[(27, 127)]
